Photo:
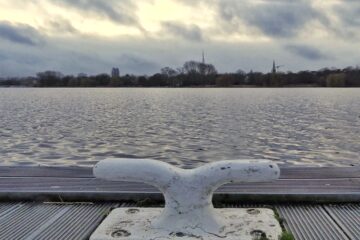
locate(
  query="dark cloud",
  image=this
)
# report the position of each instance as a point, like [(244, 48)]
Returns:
[(20, 34), (138, 65), (306, 52), (119, 11), (273, 18), (187, 32)]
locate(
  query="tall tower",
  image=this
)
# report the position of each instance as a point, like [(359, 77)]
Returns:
[(203, 57), (274, 67)]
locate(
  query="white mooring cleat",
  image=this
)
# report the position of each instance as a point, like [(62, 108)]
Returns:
[(189, 212)]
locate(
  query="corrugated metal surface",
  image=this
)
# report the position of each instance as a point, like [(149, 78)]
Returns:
[(310, 223), (52, 221), (348, 218)]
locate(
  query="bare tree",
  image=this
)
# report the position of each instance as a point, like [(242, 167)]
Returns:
[(192, 67), (168, 72)]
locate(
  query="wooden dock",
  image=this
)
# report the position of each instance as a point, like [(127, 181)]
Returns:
[(44, 202), (320, 185), (77, 221)]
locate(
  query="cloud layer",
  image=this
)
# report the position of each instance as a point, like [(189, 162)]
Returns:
[(119, 11), (306, 52), (142, 36), (20, 34), (272, 18)]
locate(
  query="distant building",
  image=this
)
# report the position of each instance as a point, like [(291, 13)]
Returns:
[(115, 73)]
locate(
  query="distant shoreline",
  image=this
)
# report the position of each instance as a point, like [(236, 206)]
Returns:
[(192, 87), (194, 75)]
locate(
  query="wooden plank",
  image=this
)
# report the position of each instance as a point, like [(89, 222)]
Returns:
[(75, 183), (44, 171), (299, 186), (310, 223), (53, 221), (73, 221), (347, 216), (86, 172), (320, 172)]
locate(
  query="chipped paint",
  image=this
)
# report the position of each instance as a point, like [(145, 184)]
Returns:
[(188, 196)]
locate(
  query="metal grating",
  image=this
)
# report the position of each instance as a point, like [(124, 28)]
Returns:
[(52, 221), (310, 222), (348, 218)]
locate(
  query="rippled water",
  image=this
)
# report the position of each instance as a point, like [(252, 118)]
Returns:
[(180, 126)]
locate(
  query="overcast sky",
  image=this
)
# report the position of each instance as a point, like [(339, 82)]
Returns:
[(142, 36)]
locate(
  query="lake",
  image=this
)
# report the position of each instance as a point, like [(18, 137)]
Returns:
[(186, 127)]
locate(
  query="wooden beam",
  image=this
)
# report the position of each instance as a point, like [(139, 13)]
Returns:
[(86, 172), (78, 184)]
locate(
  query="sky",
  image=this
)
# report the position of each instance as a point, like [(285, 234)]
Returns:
[(142, 36)]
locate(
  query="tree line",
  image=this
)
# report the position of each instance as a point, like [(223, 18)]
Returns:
[(196, 74)]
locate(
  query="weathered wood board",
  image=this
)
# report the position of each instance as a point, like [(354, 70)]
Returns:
[(77, 184)]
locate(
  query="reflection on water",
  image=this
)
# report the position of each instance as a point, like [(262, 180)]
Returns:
[(180, 126)]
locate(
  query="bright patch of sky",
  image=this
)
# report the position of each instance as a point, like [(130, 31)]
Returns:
[(142, 36)]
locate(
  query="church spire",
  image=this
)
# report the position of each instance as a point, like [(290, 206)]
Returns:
[(274, 67)]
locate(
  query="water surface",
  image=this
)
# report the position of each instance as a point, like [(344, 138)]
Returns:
[(182, 126)]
